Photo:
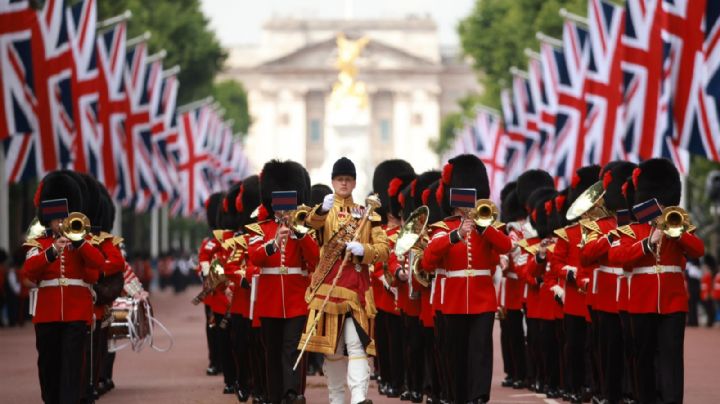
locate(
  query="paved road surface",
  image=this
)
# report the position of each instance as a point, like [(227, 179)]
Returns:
[(178, 376)]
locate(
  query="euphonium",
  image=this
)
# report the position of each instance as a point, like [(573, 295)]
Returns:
[(75, 226), (411, 239), (485, 213), (674, 221), (589, 204)]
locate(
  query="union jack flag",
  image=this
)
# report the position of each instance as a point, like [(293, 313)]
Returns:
[(711, 76), (603, 96), (545, 100), (192, 161), (514, 140), (164, 129), (489, 134)]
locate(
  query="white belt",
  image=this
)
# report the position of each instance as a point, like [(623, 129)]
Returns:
[(63, 282), (657, 269), (440, 271), (283, 271), (511, 275), (468, 273), (610, 270)]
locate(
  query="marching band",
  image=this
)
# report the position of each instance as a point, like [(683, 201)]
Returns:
[(587, 284)]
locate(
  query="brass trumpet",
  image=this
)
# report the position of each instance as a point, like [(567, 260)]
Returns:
[(485, 213), (75, 226), (674, 221), (295, 219)]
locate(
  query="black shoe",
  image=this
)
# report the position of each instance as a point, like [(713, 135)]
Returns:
[(109, 384), (101, 388), (405, 396), (368, 401), (292, 398), (416, 397), (392, 392), (212, 371), (566, 395), (382, 388), (229, 389), (519, 384), (374, 376), (241, 394), (508, 382), (552, 393), (432, 400), (576, 398), (596, 400)]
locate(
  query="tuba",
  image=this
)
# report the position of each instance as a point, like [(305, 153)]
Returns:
[(75, 226), (674, 221), (485, 213), (412, 240), (216, 276)]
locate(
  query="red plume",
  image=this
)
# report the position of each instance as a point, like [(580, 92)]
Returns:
[(401, 200), (225, 205), (534, 215), (575, 181), (635, 176), (548, 207), (624, 189), (413, 185), (238, 200), (394, 187), (447, 173), (559, 202), (607, 179), (262, 213), (439, 194), (425, 196), (36, 199), (207, 203)]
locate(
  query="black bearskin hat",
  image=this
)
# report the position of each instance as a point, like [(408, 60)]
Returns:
[(628, 193), (406, 202), (510, 208), (389, 178), (561, 207), (107, 220), (212, 209), (230, 215), (509, 187), (248, 199), (429, 198), (92, 197), (613, 177), (419, 186), (583, 179), (541, 201), (60, 185), (528, 182), (286, 175), (657, 178), (318, 192), (463, 171)]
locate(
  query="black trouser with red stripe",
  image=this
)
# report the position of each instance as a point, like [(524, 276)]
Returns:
[(432, 366), (549, 354), (388, 333), (513, 339), (61, 356), (441, 357), (470, 355), (257, 364), (413, 350), (629, 385), (535, 371), (224, 347), (659, 344), (575, 332), (281, 337), (240, 335), (611, 355)]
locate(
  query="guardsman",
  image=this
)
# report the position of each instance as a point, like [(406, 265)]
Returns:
[(285, 254), (340, 296), (390, 175), (63, 269), (658, 302), (469, 254), (600, 221)]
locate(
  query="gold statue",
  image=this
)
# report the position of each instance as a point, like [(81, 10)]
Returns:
[(348, 89)]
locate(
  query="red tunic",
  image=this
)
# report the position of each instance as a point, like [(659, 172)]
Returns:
[(706, 285), (567, 253), (606, 277), (384, 298), (467, 292), (656, 285), (210, 249), (435, 298), (114, 263), (512, 287), (716, 287), (281, 294), (234, 268), (63, 303), (526, 268)]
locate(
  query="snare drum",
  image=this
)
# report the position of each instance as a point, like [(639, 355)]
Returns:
[(129, 319)]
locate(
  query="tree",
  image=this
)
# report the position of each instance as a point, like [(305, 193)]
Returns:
[(451, 123), (496, 33), (233, 97), (179, 27)]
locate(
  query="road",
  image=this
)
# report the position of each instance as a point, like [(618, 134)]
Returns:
[(178, 376)]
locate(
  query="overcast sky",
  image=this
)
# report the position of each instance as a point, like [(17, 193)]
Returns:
[(240, 21)]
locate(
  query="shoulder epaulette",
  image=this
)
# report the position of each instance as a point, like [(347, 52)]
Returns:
[(219, 235), (394, 237), (32, 243), (240, 240), (591, 225), (562, 233), (440, 225), (551, 248), (375, 217), (117, 241), (498, 225), (626, 230), (255, 228)]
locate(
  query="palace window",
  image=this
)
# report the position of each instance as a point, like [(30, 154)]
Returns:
[(385, 130), (315, 131)]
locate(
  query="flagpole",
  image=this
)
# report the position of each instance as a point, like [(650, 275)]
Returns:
[(117, 224), (101, 25), (532, 54), (164, 241), (156, 56), (574, 17), (193, 105), (4, 206), (517, 72), (173, 71), (154, 233), (548, 40), (138, 39), (491, 111)]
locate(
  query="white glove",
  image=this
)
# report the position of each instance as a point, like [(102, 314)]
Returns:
[(571, 272), (205, 268), (356, 248), (504, 262), (558, 291), (328, 202)]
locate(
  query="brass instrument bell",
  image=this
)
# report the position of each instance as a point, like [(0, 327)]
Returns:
[(673, 221), (295, 219), (75, 226), (412, 240), (485, 212), (589, 199)]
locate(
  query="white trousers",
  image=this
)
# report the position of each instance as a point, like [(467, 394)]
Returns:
[(354, 368)]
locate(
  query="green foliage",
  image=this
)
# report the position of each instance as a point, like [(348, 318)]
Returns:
[(453, 122), (496, 33), (233, 97), (179, 27)]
